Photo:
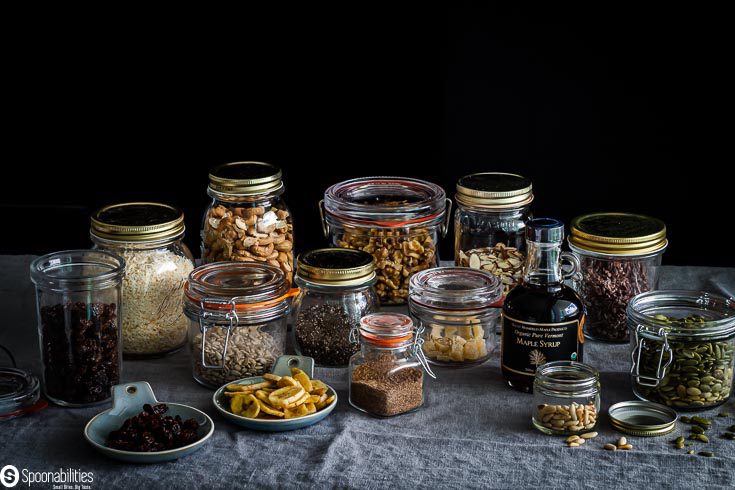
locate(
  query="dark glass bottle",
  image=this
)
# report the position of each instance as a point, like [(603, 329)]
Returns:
[(542, 317)]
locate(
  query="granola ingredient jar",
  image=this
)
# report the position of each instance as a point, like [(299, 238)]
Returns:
[(682, 348), (337, 288), (247, 220), (489, 224), (619, 256), (78, 298), (387, 375), (398, 220), (238, 314), (456, 308), (149, 237)]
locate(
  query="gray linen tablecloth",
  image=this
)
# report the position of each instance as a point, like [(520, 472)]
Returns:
[(473, 431)]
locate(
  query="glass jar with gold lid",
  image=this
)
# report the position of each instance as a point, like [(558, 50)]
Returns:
[(337, 288), (247, 220), (620, 257), (149, 237)]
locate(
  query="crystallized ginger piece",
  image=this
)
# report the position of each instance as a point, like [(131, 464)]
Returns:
[(470, 351)]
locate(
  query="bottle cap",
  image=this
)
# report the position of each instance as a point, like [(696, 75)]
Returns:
[(545, 230)]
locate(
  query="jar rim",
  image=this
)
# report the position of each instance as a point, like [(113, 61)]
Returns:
[(77, 269), (336, 267), (494, 190), (630, 255), (245, 178), (137, 222), (567, 374), (455, 288), (387, 329), (618, 233)]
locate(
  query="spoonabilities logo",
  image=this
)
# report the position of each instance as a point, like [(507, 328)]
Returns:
[(9, 476)]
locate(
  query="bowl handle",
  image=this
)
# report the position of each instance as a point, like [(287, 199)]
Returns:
[(283, 365), (128, 397)]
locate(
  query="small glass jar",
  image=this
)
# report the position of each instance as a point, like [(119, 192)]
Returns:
[(683, 348), (157, 263), (398, 220), (238, 314), (490, 222), (456, 308), (78, 299), (247, 220), (619, 256), (337, 288), (566, 398), (387, 375)]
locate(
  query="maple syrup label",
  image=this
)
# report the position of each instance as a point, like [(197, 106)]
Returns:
[(527, 345)]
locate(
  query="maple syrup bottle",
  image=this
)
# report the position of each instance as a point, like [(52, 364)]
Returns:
[(542, 317)]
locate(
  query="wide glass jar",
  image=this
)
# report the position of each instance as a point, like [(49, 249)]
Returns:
[(489, 224), (456, 309), (157, 263), (337, 288), (683, 348), (238, 314), (566, 398), (387, 375), (78, 299), (396, 219), (619, 256), (247, 220)]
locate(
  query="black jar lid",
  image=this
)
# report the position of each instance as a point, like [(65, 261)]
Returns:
[(494, 190), (336, 267), (137, 222)]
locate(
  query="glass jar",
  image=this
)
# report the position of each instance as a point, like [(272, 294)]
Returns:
[(238, 314), (683, 347), (456, 308), (619, 256), (157, 263), (387, 375), (398, 220), (566, 398), (78, 299), (489, 224), (247, 220), (337, 288)]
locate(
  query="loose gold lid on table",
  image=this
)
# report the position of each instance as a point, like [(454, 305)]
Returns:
[(494, 190), (336, 267), (137, 222), (245, 178), (642, 418), (618, 233)]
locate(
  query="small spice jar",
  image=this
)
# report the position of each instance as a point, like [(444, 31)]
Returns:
[(683, 348), (396, 219), (78, 296), (489, 224), (566, 398), (337, 288), (247, 220), (238, 318), (619, 256), (387, 375), (457, 310), (149, 237)]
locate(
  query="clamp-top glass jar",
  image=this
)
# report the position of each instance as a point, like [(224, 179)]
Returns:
[(149, 237), (337, 288), (248, 221), (387, 375), (396, 219), (239, 315), (683, 348), (489, 224)]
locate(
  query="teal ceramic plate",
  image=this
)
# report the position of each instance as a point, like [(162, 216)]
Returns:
[(282, 367), (128, 400)]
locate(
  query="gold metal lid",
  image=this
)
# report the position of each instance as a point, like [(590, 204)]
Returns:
[(336, 267), (642, 418), (137, 222), (245, 178), (496, 190), (618, 234)]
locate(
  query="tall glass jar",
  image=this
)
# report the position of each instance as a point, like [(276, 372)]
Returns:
[(247, 220), (396, 219), (337, 288), (683, 348), (620, 257), (566, 398), (238, 314), (78, 299), (456, 308), (149, 237), (387, 375), (489, 224)]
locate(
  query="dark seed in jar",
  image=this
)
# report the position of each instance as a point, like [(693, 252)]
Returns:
[(322, 331), (150, 431)]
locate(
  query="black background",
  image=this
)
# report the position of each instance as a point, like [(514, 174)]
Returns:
[(604, 109)]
